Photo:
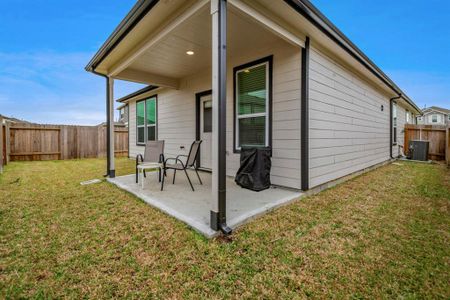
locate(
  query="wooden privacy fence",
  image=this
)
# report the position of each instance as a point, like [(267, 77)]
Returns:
[(437, 135), (27, 142)]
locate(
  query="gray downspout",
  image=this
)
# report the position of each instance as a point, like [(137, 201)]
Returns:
[(304, 119), (391, 125), (108, 135), (218, 219)]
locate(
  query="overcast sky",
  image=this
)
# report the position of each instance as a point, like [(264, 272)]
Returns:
[(45, 45)]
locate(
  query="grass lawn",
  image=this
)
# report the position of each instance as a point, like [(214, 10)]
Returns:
[(384, 234)]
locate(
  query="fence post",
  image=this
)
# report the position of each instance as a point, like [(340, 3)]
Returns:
[(7, 140), (99, 141), (60, 139), (63, 145), (406, 140), (447, 145)]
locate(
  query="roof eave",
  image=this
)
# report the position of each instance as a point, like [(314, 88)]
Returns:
[(137, 12), (304, 7), (137, 93)]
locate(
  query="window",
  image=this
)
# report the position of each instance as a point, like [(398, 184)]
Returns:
[(434, 118), (146, 121), (394, 123), (408, 117), (252, 104), (123, 114), (207, 116)]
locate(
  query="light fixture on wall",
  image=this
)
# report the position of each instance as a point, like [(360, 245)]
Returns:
[(190, 52)]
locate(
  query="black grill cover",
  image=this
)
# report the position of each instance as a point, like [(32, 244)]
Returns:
[(254, 172)]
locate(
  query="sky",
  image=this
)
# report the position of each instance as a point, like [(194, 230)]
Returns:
[(45, 45)]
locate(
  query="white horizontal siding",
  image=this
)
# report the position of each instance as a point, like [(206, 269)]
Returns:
[(348, 129)]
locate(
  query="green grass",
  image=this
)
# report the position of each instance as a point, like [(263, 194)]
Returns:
[(384, 234)]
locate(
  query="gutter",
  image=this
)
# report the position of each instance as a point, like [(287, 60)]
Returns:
[(391, 125)]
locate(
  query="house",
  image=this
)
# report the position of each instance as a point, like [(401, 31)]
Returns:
[(123, 114), (12, 120), (272, 73), (434, 115)]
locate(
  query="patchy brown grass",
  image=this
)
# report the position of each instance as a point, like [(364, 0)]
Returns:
[(381, 235)]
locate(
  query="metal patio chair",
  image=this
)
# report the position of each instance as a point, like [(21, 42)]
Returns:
[(178, 164), (153, 159)]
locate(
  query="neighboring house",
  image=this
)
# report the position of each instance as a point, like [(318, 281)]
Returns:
[(123, 114), (116, 124), (434, 115), (284, 77), (12, 120)]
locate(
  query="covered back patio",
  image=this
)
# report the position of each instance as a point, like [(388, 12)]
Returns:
[(179, 201), (186, 49)]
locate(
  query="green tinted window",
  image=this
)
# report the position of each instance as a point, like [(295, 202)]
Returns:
[(146, 120), (151, 111), (251, 90), (140, 113)]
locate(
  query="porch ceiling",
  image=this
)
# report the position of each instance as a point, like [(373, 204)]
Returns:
[(166, 62)]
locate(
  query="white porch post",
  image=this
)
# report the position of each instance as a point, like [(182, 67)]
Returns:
[(110, 128), (219, 99)]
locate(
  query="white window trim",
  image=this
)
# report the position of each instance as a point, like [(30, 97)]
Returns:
[(246, 116), (394, 124)]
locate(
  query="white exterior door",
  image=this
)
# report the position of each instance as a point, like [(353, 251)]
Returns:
[(205, 131)]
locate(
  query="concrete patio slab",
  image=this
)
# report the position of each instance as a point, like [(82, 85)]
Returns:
[(193, 208)]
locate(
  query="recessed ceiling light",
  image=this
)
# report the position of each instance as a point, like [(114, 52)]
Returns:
[(190, 52)]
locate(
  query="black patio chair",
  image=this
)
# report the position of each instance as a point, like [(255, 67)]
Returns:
[(179, 165)]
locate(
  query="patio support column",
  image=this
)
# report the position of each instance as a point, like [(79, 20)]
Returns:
[(111, 172), (219, 99)]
